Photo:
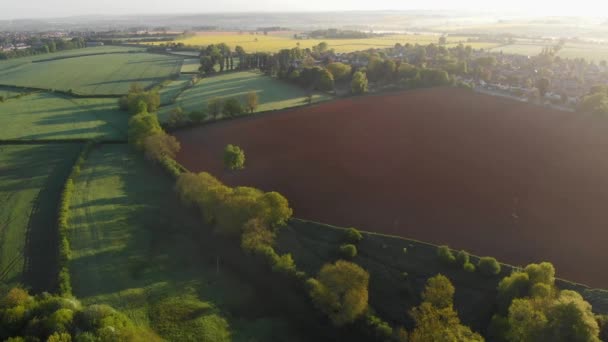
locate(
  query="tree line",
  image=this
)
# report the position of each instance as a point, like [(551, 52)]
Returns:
[(44, 46)]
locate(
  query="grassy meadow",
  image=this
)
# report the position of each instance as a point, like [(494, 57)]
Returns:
[(191, 65), (132, 248), (98, 50), (109, 74), (53, 116), (276, 42), (31, 178), (273, 94)]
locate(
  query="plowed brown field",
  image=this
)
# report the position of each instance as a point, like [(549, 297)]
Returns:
[(482, 173)]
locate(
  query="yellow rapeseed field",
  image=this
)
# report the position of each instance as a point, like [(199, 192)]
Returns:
[(276, 42)]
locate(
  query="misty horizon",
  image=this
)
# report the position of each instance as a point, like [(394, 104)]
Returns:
[(36, 9)]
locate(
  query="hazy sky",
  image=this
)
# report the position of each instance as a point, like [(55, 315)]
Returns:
[(12, 9)]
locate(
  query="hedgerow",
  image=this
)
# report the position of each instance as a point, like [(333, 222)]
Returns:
[(63, 214)]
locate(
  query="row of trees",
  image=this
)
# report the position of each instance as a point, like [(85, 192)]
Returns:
[(42, 46), (229, 108)]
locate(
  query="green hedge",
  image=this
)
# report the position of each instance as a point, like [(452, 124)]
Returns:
[(63, 216)]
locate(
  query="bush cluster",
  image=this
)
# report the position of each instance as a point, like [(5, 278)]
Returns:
[(137, 95), (488, 266), (54, 318), (353, 236), (445, 255), (63, 213), (348, 251)]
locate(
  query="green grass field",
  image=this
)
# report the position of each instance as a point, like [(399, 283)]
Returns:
[(53, 116), (273, 94), (520, 49), (11, 63), (170, 91), (132, 248), (191, 65), (109, 74), (31, 179), (8, 92)]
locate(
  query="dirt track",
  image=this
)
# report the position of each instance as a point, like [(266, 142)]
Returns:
[(448, 166)]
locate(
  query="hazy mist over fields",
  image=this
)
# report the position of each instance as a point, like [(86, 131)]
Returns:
[(64, 8)]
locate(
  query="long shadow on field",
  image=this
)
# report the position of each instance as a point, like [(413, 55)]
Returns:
[(161, 244), (130, 80), (41, 244)]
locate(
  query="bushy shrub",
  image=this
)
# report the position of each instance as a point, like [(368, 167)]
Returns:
[(379, 329), (232, 107), (469, 267), (353, 235), (234, 157), (284, 264), (488, 266), (340, 291), (445, 255), (462, 258), (197, 116), (348, 251)]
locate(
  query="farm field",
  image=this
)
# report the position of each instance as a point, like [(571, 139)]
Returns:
[(520, 49), (590, 52), (273, 94), (31, 179), (170, 91), (132, 248), (53, 116), (524, 183), (11, 63), (191, 65), (274, 43), (109, 74)]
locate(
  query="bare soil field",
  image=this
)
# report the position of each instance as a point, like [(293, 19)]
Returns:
[(448, 166)]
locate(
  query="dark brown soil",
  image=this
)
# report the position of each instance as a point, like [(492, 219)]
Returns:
[(489, 175)]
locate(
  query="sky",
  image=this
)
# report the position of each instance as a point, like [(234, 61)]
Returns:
[(16, 9)]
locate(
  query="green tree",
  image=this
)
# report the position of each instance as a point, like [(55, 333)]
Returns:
[(359, 83), (136, 96), (526, 321), (160, 145), (141, 126), (252, 101), (234, 157), (176, 117), (348, 251), (197, 116), (439, 324), (207, 65), (340, 291), (232, 107), (325, 81), (488, 266), (543, 86), (214, 107), (439, 291), (340, 71)]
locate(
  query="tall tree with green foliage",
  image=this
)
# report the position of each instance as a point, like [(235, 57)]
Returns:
[(234, 157), (340, 291), (359, 83)]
